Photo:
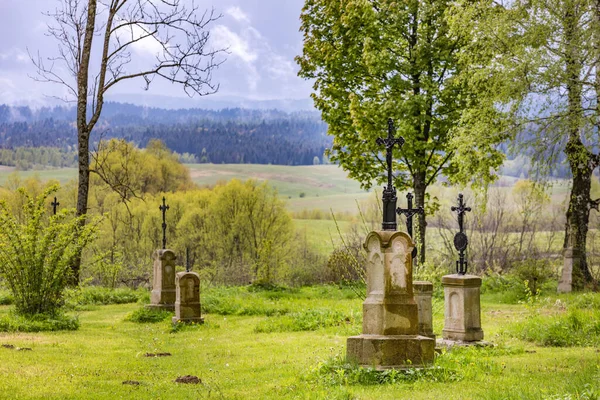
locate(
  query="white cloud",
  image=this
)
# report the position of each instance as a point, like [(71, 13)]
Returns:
[(14, 54), (146, 46), (236, 13), (237, 45)]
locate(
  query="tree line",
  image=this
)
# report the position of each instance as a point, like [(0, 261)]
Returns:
[(226, 136)]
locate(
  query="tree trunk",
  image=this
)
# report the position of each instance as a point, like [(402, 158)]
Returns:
[(578, 155), (420, 189), (578, 213), (83, 129)]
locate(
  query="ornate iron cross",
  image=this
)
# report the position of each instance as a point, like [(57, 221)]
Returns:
[(54, 204), (460, 239), (164, 209), (389, 192), (409, 213)]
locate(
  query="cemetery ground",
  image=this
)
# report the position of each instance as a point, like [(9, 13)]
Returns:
[(290, 343)]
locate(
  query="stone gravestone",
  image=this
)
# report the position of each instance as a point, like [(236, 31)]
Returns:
[(187, 303), (571, 262), (390, 337), (462, 308), (163, 282), (462, 304), (423, 293)]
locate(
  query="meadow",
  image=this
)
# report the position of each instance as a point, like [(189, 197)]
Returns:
[(290, 343)]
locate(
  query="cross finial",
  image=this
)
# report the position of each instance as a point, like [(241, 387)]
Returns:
[(54, 204), (164, 207), (389, 192), (409, 212), (460, 239)]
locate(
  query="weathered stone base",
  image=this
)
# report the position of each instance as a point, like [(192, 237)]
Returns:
[(448, 344), (166, 307), (198, 320), (468, 335), (387, 352)]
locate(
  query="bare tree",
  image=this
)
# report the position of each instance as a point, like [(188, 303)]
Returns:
[(178, 33)]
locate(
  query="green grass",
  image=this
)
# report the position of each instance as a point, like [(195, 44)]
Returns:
[(234, 361)]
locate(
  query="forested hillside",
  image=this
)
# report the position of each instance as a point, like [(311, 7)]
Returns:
[(224, 136)]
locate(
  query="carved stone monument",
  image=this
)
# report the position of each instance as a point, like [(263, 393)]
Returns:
[(163, 282), (462, 308), (187, 303), (390, 337), (423, 293)]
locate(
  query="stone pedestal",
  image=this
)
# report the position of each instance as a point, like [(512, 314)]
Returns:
[(390, 337), (187, 303), (462, 308), (163, 282), (423, 292), (571, 262)]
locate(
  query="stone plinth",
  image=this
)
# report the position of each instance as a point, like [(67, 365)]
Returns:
[(187, 303), (462, 308), (571, 263), (423, 292), (163, 282), (390, 337)]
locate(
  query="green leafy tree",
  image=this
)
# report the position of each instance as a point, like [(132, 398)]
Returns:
[(377, 59), (545, 56), (36, 252)]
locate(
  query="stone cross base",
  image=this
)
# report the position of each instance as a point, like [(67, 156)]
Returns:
[(423, 292), (386, 352), (462, 308), (163, 282)]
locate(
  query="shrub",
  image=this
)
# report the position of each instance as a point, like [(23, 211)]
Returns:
[(81, 297), (6, 298), (574, 328), (535, 271), (36, 252), (148, 315), (38, 323)]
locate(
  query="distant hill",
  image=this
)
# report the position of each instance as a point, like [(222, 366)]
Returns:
[(219, 136)]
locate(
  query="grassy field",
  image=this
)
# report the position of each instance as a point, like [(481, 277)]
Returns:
[(250, 348)]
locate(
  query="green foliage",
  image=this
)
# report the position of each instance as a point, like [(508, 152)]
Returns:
[(40, 322), (572, 328), (535, 272), (398, 60), (148, 315), (239, 301), (36, 252), (6, 298), (25, 158), (97, 295), (309, 320)]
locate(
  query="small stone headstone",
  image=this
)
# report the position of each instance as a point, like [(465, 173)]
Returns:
[(187, 298), (571, 263), (163, 282)]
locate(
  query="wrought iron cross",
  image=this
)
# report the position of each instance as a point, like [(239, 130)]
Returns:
[(389, 192), (409, 213), (164, 209), (54, 204), (460, 239), (187, 259)]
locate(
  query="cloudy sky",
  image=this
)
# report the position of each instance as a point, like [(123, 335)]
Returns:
[(262, 37)]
